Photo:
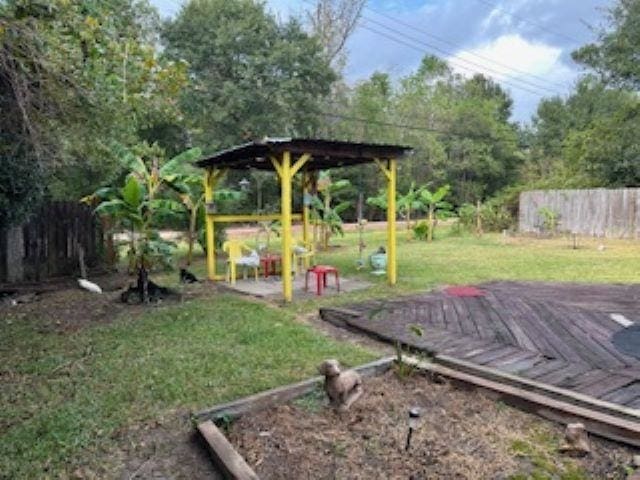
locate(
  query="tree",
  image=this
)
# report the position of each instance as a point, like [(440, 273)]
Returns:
[(333, 22), (71, 88), (615, 55), (586, 140), (251, 76)]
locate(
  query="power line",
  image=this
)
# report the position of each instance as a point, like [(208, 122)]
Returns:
[(422, 50), (531, 22), (458, 45), (529, 84), (412, 127)]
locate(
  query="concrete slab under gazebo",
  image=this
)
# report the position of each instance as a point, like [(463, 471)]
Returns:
[(288, 157)]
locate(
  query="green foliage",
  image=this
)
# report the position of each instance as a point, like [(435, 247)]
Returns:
[(75, 78), (422, 230), (495, 215), (251, 75), (324, 209), (586, 140), (614, 55), (137, 205), (476, 152), (21, 187), (550, 220)]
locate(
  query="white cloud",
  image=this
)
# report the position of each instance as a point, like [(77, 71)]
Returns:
[(512, 50), (528, 70)]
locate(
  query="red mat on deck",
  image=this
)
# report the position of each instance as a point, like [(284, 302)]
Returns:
[(464, 291)]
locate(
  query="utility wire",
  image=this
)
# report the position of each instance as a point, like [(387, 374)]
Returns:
[(528, 84), (422, 50), (403, 126), (460, 46)]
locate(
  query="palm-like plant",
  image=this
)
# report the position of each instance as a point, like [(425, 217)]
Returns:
[(184, 179), (409, 203), (433, 203), (137, 205), (323, 210)]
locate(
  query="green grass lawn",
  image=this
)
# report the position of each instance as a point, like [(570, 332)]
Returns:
[(64, 394), (455, 259), (189, 356)]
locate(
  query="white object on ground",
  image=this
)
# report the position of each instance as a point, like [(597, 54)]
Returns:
[(251, 260), (621, 319), (87, 285)]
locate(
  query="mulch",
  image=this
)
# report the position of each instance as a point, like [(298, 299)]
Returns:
[(463, 435)]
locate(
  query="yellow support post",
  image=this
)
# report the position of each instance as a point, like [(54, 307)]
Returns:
[(392, 269), (305, 209), (208, 198), (285, 191), (211, 177)]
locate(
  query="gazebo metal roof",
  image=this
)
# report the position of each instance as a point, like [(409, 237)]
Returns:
[(324, 153)]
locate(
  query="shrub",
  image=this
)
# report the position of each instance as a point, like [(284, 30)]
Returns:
[(421, 230)]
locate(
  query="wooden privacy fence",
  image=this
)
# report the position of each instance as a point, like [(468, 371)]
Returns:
[(597, 212), (48, 244)]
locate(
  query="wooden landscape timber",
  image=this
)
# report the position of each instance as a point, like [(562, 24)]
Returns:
[(562, 407), (228, 460), (563, 411), (277, 396)]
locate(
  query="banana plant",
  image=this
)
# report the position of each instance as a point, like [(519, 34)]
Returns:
[(433, 203), (184, 179), (137, 205), (322, 209), (407, 204)]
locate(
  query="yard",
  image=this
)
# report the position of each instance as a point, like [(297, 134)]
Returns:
[(76, 395)]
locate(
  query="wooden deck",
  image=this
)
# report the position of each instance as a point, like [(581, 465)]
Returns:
[(555, 334)]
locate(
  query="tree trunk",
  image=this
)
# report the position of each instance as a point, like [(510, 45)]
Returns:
[(192, 235), (430, 232), (479, 219), (143, 284)]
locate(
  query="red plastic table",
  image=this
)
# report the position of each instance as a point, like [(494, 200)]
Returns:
[(321, 272), (269, 263)]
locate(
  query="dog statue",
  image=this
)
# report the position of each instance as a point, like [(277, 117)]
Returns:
[(343, 388)]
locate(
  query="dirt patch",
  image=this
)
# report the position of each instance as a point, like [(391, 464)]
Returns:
[(164, 448), (463, 435), (65, 307)]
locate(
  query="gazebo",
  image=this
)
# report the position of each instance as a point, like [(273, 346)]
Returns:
[(288, 157)]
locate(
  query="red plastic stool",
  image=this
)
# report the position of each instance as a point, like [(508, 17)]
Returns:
[(320, 272)]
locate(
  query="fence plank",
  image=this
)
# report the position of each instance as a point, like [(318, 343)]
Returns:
[(599, 212), (48, 243)]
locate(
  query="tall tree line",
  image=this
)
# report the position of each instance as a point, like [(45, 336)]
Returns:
[(81, 82)]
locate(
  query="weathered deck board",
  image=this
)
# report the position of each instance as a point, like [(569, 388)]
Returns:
[(555, 334)]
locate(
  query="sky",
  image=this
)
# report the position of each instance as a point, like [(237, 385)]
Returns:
[(525, 45)]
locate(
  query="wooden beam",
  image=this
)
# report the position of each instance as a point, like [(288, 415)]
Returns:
[(227, 459), (392, 265), (539, 387), (304, 158), (276, 165), (383, 168), (602, 424), (251, 218), (280, 395), (287, 240)]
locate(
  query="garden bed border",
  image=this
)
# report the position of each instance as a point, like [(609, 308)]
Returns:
[(495, 384)]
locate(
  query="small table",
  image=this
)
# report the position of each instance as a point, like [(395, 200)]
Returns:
[(269, 263), (321, 272)]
